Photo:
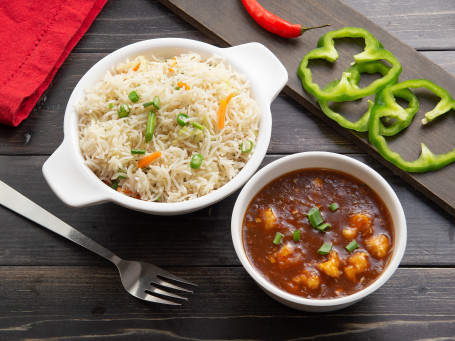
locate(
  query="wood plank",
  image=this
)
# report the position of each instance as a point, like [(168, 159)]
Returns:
[(426, 25), (240, 28), (80, 303), (125, 22), (445, 59), (198, 239)]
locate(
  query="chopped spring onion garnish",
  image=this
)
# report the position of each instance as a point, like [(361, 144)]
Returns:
[(352, 246), (315, 217), (124, 110), (324, 227), (325, 249), (111, 105), (114, 184), (334, 206), (196, 161), (156, 102), (198, 136), (296, 235), (151, 121), (278, 237), (159, 198), (197, 125), (182, 119), (177, 88), (137, 151), (133, 96), (246, 147), (184, 132)]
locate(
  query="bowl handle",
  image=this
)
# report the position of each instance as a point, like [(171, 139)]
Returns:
[(62, 171), (260, 61)]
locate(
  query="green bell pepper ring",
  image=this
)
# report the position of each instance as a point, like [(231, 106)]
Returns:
[(398, 117), (356, 70), (386, 106), (347, 89)]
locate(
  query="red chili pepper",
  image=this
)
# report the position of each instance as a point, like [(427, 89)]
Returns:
[(273, 23)]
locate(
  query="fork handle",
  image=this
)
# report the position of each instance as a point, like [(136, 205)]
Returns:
[(18, 203)]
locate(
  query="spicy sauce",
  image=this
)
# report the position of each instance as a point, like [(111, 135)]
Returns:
[(296, 266)]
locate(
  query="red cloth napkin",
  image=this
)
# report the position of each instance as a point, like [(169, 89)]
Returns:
[(36, 36)]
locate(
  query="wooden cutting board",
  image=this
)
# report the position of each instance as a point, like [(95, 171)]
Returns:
[(228, 23)]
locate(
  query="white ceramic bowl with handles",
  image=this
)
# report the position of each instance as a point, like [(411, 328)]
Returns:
[(76, 185), (328, 161)]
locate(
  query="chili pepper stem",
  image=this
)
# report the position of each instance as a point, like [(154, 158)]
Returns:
[(304, 29)]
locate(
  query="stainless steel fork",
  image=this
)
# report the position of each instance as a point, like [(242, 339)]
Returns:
[(140, 279)]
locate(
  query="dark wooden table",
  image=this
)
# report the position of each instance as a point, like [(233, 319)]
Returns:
[(53, 289)]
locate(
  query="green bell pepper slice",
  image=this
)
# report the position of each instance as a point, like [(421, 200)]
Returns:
[(356, 71), (347, 88), (385, 106)]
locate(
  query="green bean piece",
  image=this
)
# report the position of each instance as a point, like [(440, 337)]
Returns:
[(137, 151), (156, 102), (182, 119), (124, 110), (246, 147), (196, 161), (197, 125), (133, 96), (151, 121)]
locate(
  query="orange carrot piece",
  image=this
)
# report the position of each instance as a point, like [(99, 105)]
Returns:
[(174, 63), (136, 67), (171, 67), (181, 85), (222, 111), (148, 159), (229, 98), (124, 191)]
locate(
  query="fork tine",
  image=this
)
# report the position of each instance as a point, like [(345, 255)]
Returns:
[(164, 293), (162, 283), (151, 298), (165, 274)]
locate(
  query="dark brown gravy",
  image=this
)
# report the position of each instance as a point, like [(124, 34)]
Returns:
[(296, 266)]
